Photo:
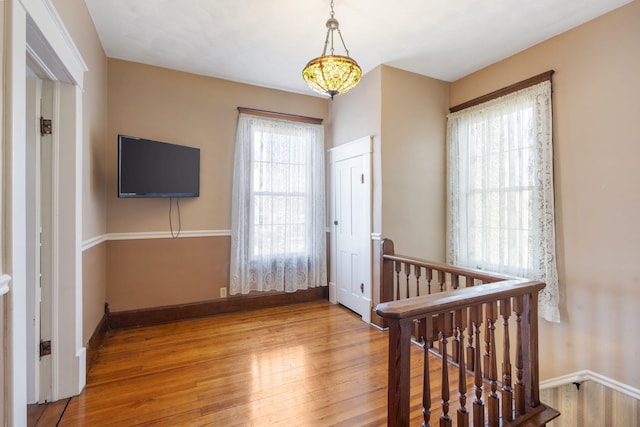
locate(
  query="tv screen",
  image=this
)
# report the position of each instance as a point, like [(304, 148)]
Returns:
[(149, 168)]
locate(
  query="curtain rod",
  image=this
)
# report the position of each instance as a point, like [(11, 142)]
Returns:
[(542, 77), (284, 116)]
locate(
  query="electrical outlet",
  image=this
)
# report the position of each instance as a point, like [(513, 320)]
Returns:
[(223, 292)]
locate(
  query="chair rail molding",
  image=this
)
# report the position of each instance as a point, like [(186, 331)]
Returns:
[(142, 235)]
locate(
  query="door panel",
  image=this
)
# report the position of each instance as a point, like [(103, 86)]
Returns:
[(353, 247)]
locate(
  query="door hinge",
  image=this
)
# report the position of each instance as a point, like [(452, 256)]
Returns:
[(45, 126), (362, 179), (45, 348)]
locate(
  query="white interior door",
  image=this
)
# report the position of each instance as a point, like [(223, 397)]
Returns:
[(33, 91), (46, 242), (351, 166), (38, 242)]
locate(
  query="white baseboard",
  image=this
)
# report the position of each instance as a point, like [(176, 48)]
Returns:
[(587, 375), (82, 368), (333, 293)]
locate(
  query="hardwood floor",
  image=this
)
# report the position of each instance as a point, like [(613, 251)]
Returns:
[(312, 364)]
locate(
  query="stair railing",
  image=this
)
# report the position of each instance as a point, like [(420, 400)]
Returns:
[(461, 307)]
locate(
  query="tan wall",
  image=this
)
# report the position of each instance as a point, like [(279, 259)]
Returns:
[(596, 88), (405, 113), (414, 109), (160, 272), (76, 18), (94, 288), (187, 109), (358, 112), (78, 22), (192, 110)]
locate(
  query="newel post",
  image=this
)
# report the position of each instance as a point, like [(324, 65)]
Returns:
[(530, 350), (386, 271), (398, 391)]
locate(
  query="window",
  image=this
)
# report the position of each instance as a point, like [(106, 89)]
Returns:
[(500, 189), (278, 239), (279, 171)]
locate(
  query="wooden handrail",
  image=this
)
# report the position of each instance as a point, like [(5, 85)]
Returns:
[(419, 307)]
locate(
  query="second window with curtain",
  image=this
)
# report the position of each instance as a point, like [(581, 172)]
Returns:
[(500, 189)]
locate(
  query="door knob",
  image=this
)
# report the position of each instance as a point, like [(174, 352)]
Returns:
[(335, 222)]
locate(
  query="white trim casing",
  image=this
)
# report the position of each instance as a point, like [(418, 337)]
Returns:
[(5, 279), (33, 28), (14, 212), (333, 293), (63, 59)]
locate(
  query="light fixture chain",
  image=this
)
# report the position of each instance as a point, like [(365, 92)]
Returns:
[(326, 43), (332, 42), (332, 13), (343, 44)]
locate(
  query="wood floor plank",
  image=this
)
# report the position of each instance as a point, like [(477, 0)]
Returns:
[(311, 364)]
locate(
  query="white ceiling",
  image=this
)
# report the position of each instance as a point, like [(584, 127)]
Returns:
[(268, 42)]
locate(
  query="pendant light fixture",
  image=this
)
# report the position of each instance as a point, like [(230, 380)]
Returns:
[(332, 74)]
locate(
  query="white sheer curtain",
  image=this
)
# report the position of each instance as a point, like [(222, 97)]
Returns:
[(278, 240), (500, 190)]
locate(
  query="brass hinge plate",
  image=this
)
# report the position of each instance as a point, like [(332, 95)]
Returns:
[(45, 348), (45, 126)]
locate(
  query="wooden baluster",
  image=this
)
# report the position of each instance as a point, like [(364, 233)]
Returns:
[(428, 277), (427, 338), (438, 326), (493, 401), (446, 325), (478, 406), (518, 307), (455, 345), (433, 333), (507, 391), (417, 273), (455, 281), (469, 282), (463, 414), (470, 350), (441, 279), (455, 349), (487, 350), (407, 273), (398, 270)]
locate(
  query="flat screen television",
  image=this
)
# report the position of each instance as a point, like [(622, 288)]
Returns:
[(148, 168)]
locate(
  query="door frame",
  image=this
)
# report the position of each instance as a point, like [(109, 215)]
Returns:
[(356, 148), (34, 27)]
